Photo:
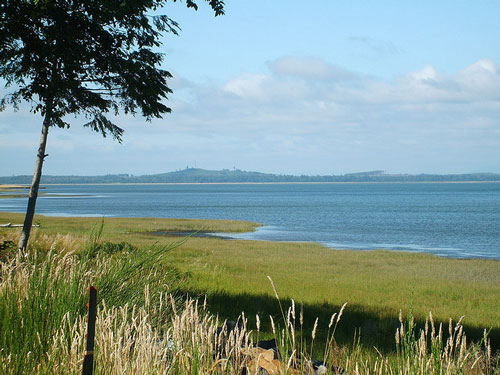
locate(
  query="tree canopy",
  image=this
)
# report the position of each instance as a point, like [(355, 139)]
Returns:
[(86, 57)]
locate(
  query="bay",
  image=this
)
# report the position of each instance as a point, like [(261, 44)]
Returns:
[(458, 220)]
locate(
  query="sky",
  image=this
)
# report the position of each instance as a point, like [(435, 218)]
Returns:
[(293, 87)]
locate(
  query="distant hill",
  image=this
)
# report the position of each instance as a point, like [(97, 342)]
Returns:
[(197, 175)]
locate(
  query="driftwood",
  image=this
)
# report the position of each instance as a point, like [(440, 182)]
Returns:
[(10, 225)]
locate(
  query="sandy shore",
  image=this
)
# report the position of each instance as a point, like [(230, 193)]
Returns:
[(10, 187)]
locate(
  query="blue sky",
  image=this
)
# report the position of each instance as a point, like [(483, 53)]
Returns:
[(320, 87)]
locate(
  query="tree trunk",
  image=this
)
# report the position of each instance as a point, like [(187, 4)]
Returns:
[(35, 184)]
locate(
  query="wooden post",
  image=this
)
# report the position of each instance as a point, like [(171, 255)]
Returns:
[(88, 359)]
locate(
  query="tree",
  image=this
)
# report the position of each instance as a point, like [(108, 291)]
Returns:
[(84, 58)]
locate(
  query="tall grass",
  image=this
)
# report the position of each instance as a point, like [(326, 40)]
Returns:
[(233, 273), (142, 329), (40, 291), (35, 293)]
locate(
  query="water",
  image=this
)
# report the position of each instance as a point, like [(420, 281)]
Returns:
[(450, 220)]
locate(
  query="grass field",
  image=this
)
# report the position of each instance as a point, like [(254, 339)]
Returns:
[(375, 284), (141, 329)]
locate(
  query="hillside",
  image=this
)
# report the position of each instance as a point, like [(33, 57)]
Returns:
[(197, 175)]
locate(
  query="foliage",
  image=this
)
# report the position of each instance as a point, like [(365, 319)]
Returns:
[(197, 175), (86, 57)]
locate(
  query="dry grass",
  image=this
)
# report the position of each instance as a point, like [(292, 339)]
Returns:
[(377, 284), (43, 323), (38, 291)]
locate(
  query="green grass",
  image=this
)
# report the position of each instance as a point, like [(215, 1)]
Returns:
[(48, 286), (375, 284), (132, 229)]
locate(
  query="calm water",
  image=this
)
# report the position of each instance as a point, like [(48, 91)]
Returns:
[(451, 220)]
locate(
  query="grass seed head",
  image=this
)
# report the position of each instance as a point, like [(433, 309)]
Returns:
[(332, 319), (341, 311), (274, 287), (314, 329), (272, 325)]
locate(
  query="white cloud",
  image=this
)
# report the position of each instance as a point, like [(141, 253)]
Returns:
[(426, 74), (424, 109), (293, 97), (247, 85), (304, 115), (482, 77)]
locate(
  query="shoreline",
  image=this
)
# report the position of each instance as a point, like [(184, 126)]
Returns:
[(10, 187), (26, 186), (233, 236)]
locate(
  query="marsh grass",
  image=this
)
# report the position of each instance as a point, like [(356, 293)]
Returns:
[(125, 261), (116, 229), (40, 289), (232, 274), (43, 325)]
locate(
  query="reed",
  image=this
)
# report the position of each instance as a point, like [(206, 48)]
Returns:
[(161, 337), (45, 290), (144, 328)]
